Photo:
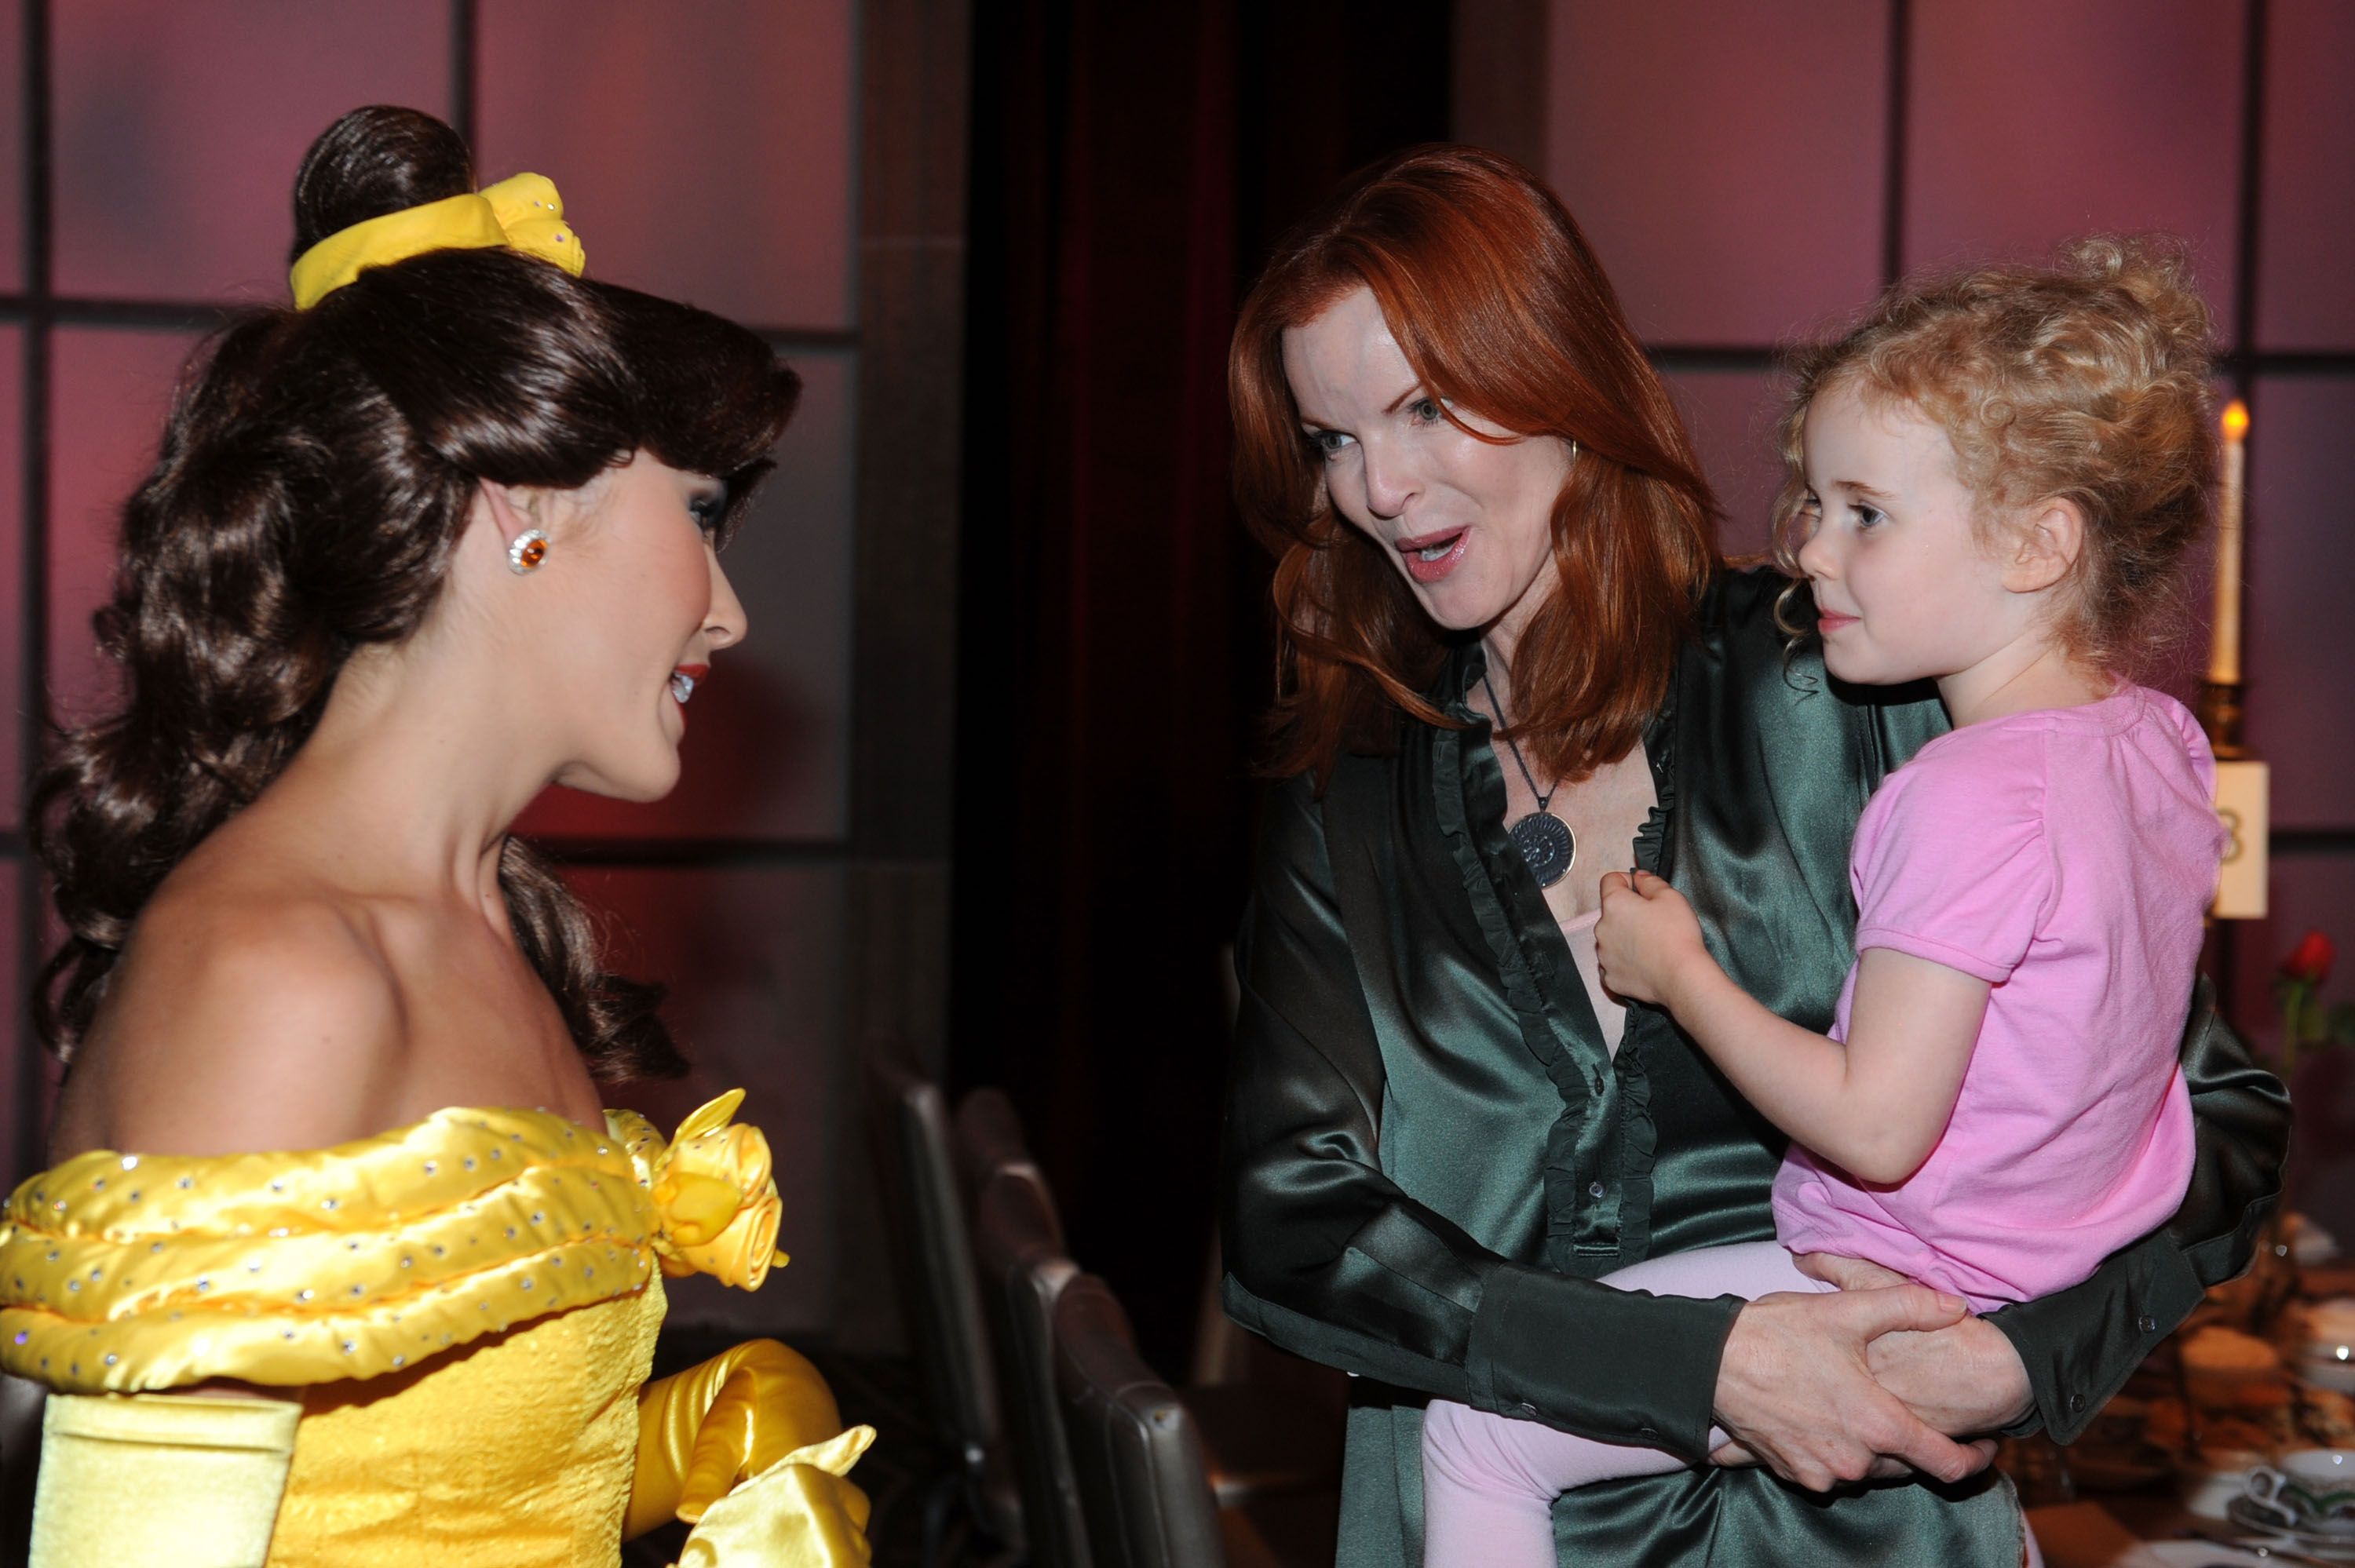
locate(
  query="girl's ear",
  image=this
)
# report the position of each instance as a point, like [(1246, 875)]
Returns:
[(2046, 541)]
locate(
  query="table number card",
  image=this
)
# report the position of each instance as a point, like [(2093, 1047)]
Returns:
[(2240, 792)]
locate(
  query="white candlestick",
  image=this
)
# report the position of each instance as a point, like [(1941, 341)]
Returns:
[(2224, 648)]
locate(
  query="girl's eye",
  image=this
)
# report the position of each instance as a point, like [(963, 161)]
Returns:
[(1425, 410), (707, 510), (1869, 517)]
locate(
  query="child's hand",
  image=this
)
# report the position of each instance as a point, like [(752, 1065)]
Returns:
[(1648, 937)]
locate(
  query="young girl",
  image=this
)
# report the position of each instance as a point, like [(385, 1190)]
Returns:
[(1994, 477)]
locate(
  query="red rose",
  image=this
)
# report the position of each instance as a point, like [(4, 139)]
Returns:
[(2310, 959)]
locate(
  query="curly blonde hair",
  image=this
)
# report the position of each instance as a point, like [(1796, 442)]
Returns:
[(2083, 380)]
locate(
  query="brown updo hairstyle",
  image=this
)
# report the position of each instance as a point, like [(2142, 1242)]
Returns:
[(2084, 379), (315, 472), (1498, 305)]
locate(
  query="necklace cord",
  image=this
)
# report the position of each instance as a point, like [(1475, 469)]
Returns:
[(1519, 761)]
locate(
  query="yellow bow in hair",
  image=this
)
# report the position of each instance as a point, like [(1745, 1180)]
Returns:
[(520, 213)]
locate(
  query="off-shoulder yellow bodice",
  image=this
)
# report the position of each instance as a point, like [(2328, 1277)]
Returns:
[(466, 1307)]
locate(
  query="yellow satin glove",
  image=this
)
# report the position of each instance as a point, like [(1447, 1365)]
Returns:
[(733, 1418), (797, 1513), (131, 1479)]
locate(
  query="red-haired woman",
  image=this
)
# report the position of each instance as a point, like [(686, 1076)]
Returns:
[(1512, 663)]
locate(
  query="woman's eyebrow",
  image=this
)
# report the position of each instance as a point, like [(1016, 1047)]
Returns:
[(1404, 398)]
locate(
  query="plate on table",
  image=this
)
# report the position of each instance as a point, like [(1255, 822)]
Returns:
[(2206, 1554)]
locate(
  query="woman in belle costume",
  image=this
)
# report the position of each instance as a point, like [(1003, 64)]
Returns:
[(439, 536)]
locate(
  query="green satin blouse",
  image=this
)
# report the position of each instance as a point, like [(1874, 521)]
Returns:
[(1430, 1156)]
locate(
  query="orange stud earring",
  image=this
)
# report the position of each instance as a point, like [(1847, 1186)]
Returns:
[(531, 548)]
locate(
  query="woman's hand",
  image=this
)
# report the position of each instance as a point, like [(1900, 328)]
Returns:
[(1961, 1380), (1647, 937), (1797, 1389)]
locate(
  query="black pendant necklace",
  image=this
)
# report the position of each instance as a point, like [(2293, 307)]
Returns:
[(1544, 839)]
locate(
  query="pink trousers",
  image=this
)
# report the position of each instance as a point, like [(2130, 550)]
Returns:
[(1489, 1481)]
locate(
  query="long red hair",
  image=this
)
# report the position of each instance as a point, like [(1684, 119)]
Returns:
[(1498, 304)]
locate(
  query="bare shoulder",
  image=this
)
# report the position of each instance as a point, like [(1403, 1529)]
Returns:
[(238, 1020)]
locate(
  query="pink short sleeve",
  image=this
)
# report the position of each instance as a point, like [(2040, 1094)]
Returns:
[(1952, 863)]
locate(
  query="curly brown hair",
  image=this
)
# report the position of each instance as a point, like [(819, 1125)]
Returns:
[(315, 472), (2084, 380)]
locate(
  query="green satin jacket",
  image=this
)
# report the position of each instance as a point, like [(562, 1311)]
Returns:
[(1430, 1156)]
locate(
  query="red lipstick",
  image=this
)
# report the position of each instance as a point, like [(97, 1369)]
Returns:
[(1422, 565)]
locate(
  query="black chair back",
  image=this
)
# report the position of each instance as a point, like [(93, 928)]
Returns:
[(989, 1138), (909, 1123), (1019, 1245), (1137, 1451)]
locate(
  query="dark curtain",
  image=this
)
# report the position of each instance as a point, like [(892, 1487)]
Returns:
[(1130, 165)]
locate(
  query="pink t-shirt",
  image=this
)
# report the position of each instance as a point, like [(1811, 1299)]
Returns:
[(2065, 857)]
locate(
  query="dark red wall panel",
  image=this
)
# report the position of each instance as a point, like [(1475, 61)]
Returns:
[(705, 149), (178, 129), (2307, 199), (12, 153), (109, 390), (2301, 638), (12, 585), (1725, 158), (2033, 122), (1733, 416)]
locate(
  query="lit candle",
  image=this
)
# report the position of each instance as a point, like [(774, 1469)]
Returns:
[(2224, 653)]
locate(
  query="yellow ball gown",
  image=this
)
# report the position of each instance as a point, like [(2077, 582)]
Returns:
[(465, 1309)]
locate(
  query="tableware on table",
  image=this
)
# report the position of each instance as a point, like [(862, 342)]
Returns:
[(2310, 1489), (2209, 1481), (2207, 1548), (2327, 1366), (2287, 1541), (2205, 1552), (2327, 1355), (2310, 1245)]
